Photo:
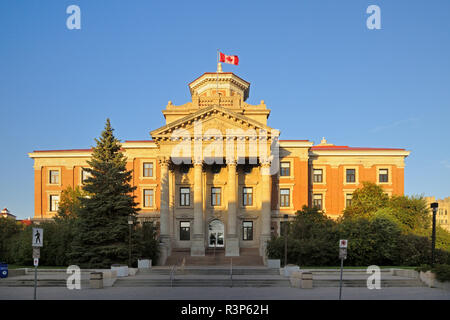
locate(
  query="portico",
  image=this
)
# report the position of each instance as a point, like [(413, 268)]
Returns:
[(215, 151), (215, 215)]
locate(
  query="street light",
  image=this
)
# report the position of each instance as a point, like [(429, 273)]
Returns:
[(285, 240), (434, 206), (130, 223)]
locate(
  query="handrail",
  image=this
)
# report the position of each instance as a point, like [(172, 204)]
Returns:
[(231, 272), (172, 272)]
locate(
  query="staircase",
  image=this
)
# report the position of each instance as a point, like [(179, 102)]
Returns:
[(206, 276), (203, 283), (216, 257)]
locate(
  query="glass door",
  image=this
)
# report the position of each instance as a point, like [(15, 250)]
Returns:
[(216, 234)]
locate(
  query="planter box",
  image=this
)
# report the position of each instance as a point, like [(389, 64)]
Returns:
[(301, 280), (122, 270), (274, 263), (109, 277), (96, 280), (289, 269), (144, 264)]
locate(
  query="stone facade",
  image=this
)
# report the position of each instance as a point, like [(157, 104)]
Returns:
[(443, 212), (206, 187)]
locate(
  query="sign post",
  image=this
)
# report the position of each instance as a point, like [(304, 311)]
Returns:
[(37, 242), (342, 255)]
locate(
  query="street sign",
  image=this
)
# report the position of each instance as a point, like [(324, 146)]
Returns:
[(36, 262), (343, 253), (36, 253), (38, 237)]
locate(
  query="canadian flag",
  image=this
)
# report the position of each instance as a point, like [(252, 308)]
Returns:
[(228, 59)]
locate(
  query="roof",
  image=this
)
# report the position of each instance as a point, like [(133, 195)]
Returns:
[(354, 148), (215, 73), (66, 150)]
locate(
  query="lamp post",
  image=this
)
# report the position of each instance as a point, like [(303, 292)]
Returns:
[(285, 240), (130, 223), (434, 206)]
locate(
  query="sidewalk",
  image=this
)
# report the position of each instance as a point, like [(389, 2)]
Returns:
[(223, 293)]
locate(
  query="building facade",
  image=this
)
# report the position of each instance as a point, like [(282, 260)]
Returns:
[(216, 175), (443, 212)]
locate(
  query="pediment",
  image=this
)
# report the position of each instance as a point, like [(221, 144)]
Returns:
[(210, 119)]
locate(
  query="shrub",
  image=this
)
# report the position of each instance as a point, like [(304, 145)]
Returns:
[(146, 243), (413, 250), (442, 272), (423, 268), (371, 241)]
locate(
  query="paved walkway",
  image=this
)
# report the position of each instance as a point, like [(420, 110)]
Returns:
[(213, 293)]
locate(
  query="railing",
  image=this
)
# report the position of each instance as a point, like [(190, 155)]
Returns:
[(231, 273), (183, 264), (172, 274)]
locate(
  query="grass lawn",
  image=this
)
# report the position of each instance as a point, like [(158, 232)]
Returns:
[(353, 267), (14, 266)]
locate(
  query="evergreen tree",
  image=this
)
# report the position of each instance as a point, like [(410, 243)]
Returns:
[(101, 232)]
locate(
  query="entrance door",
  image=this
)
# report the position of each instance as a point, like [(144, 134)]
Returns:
[(215, 236)]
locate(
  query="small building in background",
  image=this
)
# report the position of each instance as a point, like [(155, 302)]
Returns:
[(6, 214), (442, 215)]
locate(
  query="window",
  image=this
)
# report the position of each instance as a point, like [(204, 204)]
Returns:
[(84, 175), (348, 199), (54, 201), (247, 169), (148, 169), (317, 201), (54, 177), (383, 175), (148, 197), (185, 231), (285, 169), (215, 196), (318, 176), (285, 197), (247, 230), (351, 175), (185, 197), (247, 194)]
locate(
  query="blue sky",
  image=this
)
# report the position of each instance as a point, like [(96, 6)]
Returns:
[(314, 62)]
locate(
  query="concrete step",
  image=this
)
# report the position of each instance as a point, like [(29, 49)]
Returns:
[(202, 283), (213, 271), (362, 283), (40, 283), (248, 257)]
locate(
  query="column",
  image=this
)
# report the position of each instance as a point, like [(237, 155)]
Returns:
[(198, 243), (232, 240), (265, 206), (164, 211)]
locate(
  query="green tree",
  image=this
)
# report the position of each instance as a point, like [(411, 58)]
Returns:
[(8, 229), (101, 233), (70, 202), (412, 212), (367, 200), (370, 240), (146, 242), (312, 240)]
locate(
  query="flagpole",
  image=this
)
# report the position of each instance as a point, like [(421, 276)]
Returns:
[(217, 76)]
